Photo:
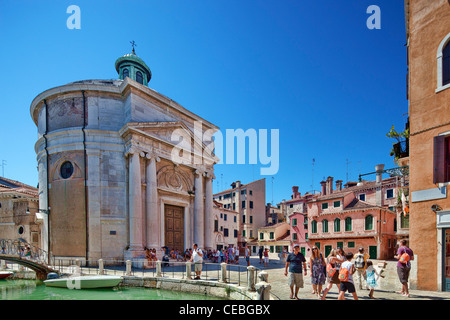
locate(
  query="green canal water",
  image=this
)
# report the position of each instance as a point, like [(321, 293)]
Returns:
[(36, 290)]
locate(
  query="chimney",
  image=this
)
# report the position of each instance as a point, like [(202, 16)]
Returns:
[(233, 185), (294, 192), (238, 184), (379, 169), (329, 185), (324, 190), (338, 185)]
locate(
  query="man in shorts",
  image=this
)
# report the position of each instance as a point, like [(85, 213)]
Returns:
[(294, 262), (197, 258)]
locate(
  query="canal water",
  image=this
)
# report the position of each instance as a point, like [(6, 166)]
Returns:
[(36, 290)]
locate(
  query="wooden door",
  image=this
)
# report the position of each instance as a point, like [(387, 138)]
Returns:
[(174, 227)]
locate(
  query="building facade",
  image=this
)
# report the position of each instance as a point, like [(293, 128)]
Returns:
[(362, 214), (428, 58), (20, 216), (121, 168), (275, 237), (226, 227), (249, 200)]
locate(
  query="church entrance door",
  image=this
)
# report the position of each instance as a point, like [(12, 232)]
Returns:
[(174, 227)]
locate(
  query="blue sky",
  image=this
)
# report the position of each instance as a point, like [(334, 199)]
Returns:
[(311, 69)]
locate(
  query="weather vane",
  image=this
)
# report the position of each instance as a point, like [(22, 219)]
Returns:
[(133, 44)]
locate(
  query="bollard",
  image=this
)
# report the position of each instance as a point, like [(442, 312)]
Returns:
[(188, 270), (128, 268), (158, 268), (251, 278), (263, 287), (101, 267), (223, 272)]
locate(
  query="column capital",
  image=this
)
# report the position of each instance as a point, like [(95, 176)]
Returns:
[(130, 150), (199, 173), (150, 156), (209, 175)]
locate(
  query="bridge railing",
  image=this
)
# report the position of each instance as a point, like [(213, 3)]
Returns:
[(24, 250)]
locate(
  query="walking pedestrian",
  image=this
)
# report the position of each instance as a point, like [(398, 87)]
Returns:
[(345, 276), (317, 263), (266, 258), (360, 265), (332, 273), (404, 256), (247, 255), (236, 255), (372, 275), (260, 253), (294, 263)]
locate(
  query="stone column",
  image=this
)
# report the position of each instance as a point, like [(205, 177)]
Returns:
[(199, 222), (43, 203), (251, 278), (151, 198), (209, 221), (135, 201)]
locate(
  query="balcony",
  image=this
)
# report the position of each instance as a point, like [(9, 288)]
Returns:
[(401, 149)]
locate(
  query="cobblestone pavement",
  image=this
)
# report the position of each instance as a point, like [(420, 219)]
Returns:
[(280, 288)]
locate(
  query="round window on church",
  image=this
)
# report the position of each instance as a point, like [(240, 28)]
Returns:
[(66, 170)]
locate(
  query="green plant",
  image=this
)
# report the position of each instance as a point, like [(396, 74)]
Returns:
[(399, 136)]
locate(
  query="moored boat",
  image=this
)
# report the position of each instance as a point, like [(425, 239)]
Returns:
[(84, 282), (5, 274)]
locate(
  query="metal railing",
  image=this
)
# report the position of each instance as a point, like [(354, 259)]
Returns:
[(236, 274), (21, 248)]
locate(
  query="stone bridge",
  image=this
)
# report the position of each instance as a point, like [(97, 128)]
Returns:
[(27, 255)]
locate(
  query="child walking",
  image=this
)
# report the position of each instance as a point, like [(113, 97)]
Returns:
[(372, 276), (345, 275)]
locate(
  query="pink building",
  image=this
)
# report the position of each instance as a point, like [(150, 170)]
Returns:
[(362, 214), (296, 212)]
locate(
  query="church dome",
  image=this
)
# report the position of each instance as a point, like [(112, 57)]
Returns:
[(130, 65)]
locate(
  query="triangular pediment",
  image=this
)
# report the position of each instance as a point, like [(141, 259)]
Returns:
[(173, 133)]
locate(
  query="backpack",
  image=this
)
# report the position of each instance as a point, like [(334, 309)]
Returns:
[(331, 270), (359, 262), (343, 274), (404, 258)]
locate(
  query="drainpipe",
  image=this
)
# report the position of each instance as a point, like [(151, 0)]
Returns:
[(85, 174)]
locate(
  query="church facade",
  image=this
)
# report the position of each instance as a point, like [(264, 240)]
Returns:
[(110, 173)]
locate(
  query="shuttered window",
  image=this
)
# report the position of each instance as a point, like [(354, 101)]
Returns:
[(348, 224), (369, 223), (337, 225), (325, 226), (441, 159)]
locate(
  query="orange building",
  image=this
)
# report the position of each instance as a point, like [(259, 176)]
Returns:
[(428, 37)]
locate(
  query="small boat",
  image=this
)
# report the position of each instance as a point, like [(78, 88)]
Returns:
[(5, 274), (82, 282)]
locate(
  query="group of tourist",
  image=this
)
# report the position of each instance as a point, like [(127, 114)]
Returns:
[(345, 270), (229, 255)]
